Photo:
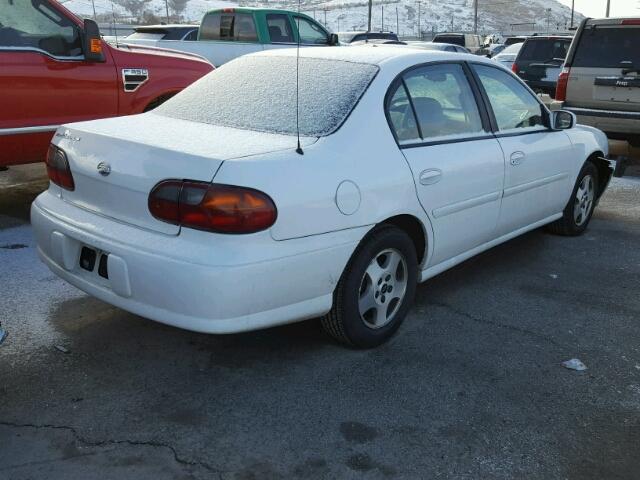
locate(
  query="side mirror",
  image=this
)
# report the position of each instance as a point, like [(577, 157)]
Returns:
[(92, 42), (333, 39), (563, 120)]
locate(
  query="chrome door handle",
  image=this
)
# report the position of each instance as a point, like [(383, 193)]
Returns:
[(430, 176), (517, 158)]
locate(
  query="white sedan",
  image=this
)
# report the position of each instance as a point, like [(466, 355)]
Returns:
[(207, 215)]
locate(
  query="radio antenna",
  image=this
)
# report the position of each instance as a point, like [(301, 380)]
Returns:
[(299, 150), (115, 26)]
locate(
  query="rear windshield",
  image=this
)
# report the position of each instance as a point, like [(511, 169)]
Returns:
[(259, 93), (544, 50), (606, 47), (454, 39)]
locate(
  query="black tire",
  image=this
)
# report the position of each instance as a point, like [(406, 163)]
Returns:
[(344, 322), (567, 224)]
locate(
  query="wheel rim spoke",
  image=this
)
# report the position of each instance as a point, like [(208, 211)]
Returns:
[(382, 288)]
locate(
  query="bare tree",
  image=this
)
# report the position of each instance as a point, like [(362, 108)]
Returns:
[(178, 6), (136, 7)]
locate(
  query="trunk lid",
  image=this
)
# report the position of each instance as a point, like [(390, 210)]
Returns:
[(141, 150)]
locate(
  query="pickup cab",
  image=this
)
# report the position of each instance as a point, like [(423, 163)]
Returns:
[(56, 69), (228, 33)]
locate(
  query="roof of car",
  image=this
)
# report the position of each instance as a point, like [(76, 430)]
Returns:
[(372, 54), (614, 21), (171, 25)]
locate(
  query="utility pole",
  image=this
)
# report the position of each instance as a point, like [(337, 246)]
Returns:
[(325, 17), (166, 5), (608, 8), (419, 30), (573, 6), (475, 16), (370, 7), (382, 17), (93, 2), (397, 22), (548, 19)]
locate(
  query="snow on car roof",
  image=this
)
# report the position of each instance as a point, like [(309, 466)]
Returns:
[(374, 54)]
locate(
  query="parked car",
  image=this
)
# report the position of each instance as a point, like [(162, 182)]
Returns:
[(540, 60), (232, 212), (56, 69), (495, 49), (513, 40), (600, 81), (227, 33), (187, 33), (444, 47), (377, 41), (508, 55), (471, 42), (359, 36)]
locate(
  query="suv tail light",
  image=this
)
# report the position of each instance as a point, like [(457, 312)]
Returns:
[(561, 86), (212, 207), (514, 68), (58, 168)]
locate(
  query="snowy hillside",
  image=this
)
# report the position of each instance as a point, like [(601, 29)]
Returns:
[(505, 16)]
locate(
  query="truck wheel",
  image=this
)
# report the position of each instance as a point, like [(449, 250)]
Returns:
[(578, 212), (375, 291)]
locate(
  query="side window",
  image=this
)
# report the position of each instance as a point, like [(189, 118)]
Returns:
[(513, 105), (238, 27), (279, 28), (443, 101), (400, 113), (192, 35), (310, 32), (26, 24)]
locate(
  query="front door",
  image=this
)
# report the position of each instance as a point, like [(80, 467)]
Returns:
[(45, 80), (538, 160), (457, 164)]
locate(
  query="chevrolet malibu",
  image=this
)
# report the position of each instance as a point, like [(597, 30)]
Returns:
[(244, 203)]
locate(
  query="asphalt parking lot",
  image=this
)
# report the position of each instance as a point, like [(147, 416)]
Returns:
[(472, 387)]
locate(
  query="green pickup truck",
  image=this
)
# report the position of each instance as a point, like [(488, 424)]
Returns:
[(227, 33)]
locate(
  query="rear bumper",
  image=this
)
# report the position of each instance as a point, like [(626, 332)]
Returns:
[(218, 293), (612, 122)]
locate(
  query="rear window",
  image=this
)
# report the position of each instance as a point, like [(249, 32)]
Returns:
[(258, 93), (239, 27), (454, 39), (544, 50), (607, 47)]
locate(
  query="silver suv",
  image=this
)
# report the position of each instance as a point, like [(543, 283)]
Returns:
[(600, 81)]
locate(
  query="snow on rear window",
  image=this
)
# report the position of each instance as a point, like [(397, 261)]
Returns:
[(259, 93)]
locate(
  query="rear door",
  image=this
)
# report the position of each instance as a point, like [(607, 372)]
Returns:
[(604, 68), (45, 80), (538, 160), (457, 164)]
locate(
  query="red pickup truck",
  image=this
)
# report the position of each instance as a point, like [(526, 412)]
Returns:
[(55, 69)]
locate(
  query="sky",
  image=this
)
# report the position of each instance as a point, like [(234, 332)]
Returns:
[(598, 8)]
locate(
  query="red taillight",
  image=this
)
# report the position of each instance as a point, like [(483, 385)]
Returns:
[(631, 21), (561, 86), (212, 207), (58, 168), (514, 68)]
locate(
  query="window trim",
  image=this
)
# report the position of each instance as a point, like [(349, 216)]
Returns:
[(295, 24), (484, 116), (77, 58), (546, 115)]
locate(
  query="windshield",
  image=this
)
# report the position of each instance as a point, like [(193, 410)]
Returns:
[(259, 93), (607, 47)]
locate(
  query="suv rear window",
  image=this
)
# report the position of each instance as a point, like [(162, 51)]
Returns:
[(544, 50), (607, 47), (235, 95), (454, 39)]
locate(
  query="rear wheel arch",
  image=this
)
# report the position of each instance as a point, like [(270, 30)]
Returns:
[(413, 227), (156, 102)]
